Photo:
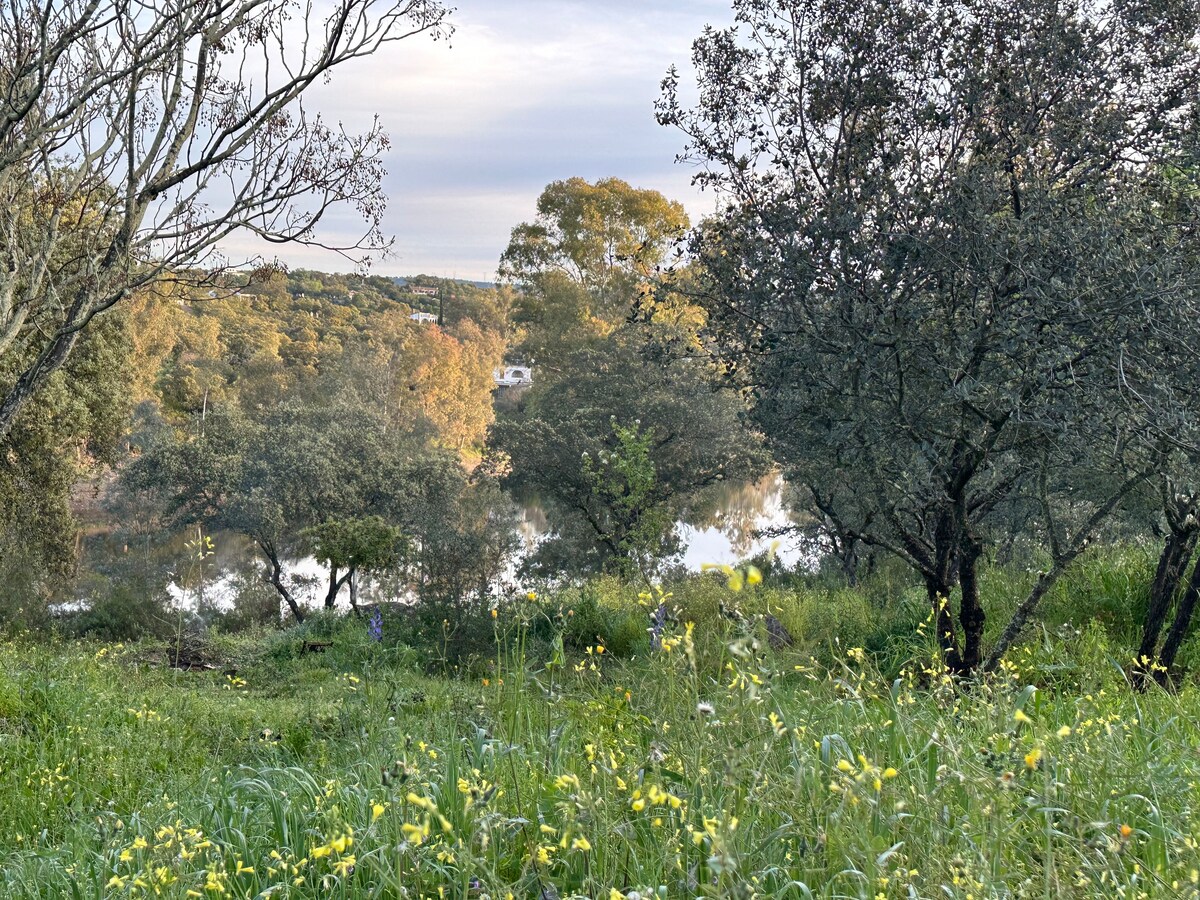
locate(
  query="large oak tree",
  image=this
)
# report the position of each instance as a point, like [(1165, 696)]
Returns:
[(626, 423)]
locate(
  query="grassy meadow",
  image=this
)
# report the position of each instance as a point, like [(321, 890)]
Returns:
[(548, 752)]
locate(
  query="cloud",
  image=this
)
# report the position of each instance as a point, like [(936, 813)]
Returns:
[(525, 93)]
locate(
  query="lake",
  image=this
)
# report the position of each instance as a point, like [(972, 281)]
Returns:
[(724, 531)]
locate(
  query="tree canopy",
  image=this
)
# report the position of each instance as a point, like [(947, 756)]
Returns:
[(334, 478), (581, 261), (942, 255)]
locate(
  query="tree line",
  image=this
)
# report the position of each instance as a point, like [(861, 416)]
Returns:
[(321, 422)]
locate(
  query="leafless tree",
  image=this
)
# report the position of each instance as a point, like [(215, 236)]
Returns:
[(137, 135)]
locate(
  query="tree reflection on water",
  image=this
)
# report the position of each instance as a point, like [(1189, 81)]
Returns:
[(725, 527)]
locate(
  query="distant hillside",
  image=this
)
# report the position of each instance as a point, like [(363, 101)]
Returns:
[(432, 280), (257, 344)]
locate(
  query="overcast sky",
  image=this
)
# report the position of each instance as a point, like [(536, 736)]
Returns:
[(527, 92)]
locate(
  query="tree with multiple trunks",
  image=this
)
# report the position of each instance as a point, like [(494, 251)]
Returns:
[(943, 260)]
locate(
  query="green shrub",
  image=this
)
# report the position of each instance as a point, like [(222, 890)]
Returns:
[(119, 610), (255, 604), (605, 611), (12, 706), (1110, 585)]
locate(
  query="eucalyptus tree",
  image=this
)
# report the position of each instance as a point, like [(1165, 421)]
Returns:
[(939, 244), (582, 261), (135, 138), (626, 422)]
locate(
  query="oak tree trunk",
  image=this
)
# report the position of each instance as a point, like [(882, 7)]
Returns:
[(1179, 629), (276, 578), (1168, 579), (938, 590), (971, 614)]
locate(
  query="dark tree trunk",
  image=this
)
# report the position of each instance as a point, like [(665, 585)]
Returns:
[(845, 548), (276, 578), (55, 355), (971, 614), (353, 576), (848, 559), (1168, 579), (940, 583), (53, 359), (335, 586), (1179, 628)]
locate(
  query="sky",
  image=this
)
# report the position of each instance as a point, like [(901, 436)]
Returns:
[(526, 92)]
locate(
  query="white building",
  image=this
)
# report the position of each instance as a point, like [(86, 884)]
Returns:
[(511, 376), (424, 318)]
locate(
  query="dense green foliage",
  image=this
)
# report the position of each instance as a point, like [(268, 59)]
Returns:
[(583, 260), (336, 478), (73, 426), (955, 267), (324, 374), (626, 424)]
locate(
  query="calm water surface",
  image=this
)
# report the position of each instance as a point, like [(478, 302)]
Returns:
[(725, 530)]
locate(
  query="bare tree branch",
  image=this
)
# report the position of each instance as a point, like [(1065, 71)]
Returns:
[(136, 137)]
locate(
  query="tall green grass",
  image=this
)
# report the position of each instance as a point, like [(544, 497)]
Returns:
[(556, 767)]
